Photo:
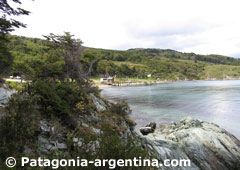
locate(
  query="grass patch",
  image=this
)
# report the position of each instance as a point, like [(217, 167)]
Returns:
[(221, 71), (18, 86)]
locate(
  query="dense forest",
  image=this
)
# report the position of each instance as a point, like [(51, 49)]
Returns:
[(133, 63)]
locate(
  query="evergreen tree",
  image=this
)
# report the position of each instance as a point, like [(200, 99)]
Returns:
[(7, 25), (72, 52)]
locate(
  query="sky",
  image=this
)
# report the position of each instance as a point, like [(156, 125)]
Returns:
[(199, 26)]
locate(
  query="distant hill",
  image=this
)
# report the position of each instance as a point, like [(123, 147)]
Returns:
[(153, 53), (163, 64), (168, 53)]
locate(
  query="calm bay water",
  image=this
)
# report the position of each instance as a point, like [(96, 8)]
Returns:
[(213, 101)]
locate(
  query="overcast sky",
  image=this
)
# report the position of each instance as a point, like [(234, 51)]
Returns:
[(200, 26)]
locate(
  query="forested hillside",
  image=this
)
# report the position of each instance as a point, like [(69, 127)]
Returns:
[(133, 63)]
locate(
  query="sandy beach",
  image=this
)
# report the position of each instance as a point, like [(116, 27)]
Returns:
[(102, 86)]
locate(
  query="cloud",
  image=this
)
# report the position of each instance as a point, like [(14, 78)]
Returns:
[(169, 36), (199, 26)]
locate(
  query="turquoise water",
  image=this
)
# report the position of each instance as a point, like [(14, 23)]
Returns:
[(213, 101)]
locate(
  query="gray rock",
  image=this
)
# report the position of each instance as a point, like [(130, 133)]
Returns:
[(75, 140), (100, 104), (42, 139), (96, 131), (146, 130), (149, 128), (93, 146), (91, 118), (44, 145), (84, 124), (208, 146), (49, 142), (49, 147), (80, 143), (5, 94), (152, 125), (45, 127), (61, 146)]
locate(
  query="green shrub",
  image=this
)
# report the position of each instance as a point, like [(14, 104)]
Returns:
[(49, 100), (18, 128), (61, 99)]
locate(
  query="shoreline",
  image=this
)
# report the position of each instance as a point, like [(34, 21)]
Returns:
[(102, 86), (148, 83)]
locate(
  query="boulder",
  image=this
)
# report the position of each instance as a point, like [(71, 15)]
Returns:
[(206, 145), (146, 130), (149, 128), (152, 125)]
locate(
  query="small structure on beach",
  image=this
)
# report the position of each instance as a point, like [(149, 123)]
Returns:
[(107, 80)]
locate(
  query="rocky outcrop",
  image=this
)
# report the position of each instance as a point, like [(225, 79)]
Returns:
[(5, 94), (53, 136), (50, 138), (99, 103), (208, 146)]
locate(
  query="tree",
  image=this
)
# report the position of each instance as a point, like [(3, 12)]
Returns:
[(7, 24), (72, 52), (124, 70)]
